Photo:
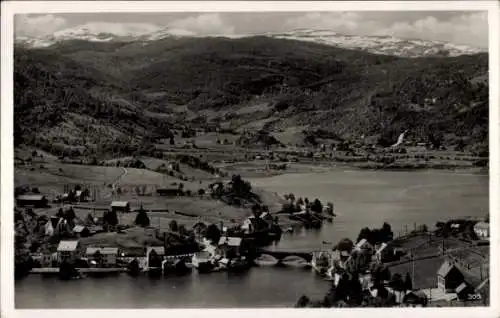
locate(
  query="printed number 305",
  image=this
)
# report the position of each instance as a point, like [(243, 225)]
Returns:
[(474, 297)]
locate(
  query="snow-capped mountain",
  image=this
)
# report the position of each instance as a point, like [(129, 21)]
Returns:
[(131, 32), (386, 45)]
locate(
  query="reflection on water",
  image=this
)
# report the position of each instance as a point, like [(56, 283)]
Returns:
[(362, 198)]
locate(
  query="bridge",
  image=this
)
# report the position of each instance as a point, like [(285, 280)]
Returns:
[(280, 255)]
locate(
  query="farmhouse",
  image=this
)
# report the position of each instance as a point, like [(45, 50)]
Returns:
[(102, 256), (449, 277), (120, 206), (33, 200), (68, 251)]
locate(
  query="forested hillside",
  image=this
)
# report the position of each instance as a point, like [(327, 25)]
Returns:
[(110, 97)]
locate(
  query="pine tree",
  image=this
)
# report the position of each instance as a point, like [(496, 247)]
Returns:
[(142, 218)]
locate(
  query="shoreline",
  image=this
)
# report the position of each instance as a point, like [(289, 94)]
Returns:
[(312, 168)]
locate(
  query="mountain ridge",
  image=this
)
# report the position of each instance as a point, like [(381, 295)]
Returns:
[(130, 32)]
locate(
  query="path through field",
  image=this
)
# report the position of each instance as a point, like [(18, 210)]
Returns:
[(114, 184)]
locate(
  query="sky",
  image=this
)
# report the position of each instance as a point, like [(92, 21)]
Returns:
[(459, 27)]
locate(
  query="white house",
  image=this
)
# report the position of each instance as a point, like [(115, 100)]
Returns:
[(482, 230), (105, 258), (363, 244), (68, 251)]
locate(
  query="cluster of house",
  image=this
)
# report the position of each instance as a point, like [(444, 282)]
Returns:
[(57, 225), (227, 252), (452, 284), (71, 251)]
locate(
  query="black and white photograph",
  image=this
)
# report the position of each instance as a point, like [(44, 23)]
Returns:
[(256, 159)]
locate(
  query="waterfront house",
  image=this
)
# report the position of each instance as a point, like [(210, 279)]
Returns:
[(81, 231), (449, 277), (229, 247), (482, 230), (68, 251), (102, 256), (415, 299), (120, 206), (32, 200)]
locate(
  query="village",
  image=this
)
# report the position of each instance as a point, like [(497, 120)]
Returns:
[(441, 267)]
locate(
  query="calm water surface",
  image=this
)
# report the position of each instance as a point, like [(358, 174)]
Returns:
[(362, 198)]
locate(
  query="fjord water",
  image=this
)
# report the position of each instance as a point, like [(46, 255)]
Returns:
[(361, 198)]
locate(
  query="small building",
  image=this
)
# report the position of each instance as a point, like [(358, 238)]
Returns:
[(102, 256), (68, 251), (81, 231), (120, 206), (449, 277), (363, 245), (482, 230), (415, 299), (82, 195), (32, 200), (229, 247)]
